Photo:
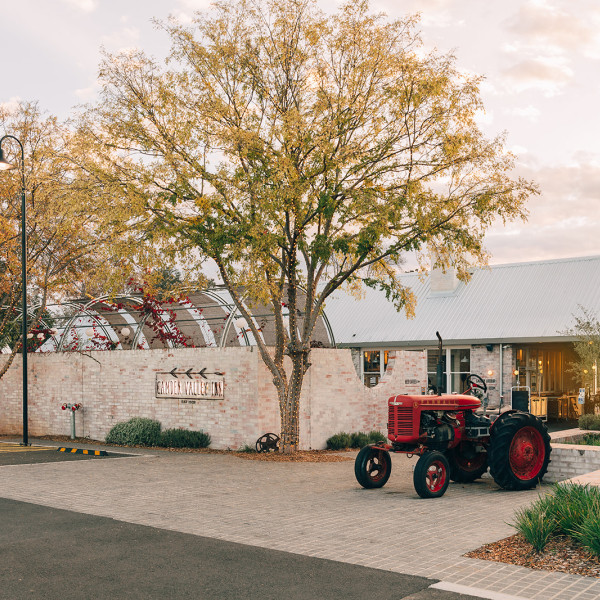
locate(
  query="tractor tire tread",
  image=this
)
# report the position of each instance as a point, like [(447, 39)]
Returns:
[(361, 467), (501, 438)]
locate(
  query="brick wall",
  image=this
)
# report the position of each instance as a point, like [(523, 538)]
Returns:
[(568, 460), (483, 361), (115, 386), (571, 459)]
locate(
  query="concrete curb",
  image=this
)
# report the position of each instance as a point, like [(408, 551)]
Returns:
[(473, 591)]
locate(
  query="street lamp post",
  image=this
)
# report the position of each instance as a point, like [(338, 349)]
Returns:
[(5, 166)]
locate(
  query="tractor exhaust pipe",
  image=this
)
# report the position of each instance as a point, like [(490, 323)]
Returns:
[(440, 366)]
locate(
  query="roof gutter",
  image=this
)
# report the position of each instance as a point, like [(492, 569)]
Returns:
[(456, 342)]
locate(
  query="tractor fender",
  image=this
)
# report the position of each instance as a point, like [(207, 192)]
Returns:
[(502, 416)]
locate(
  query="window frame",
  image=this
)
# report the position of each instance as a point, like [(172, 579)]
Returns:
[(383, 361), (448, 374)]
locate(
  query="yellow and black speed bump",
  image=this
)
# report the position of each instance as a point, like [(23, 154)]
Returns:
[(80, 451)]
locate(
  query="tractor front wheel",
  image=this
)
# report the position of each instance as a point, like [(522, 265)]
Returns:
[(432, 475), (466, 463), (372, 467), (519, 451)]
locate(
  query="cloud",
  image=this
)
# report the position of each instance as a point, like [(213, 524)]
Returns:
[(549, 27), (519, 150), (548, 40), (547, 74), (434, 13), (122, 40), (531, 113), (83, 5), (484, 117), (88, 93), (11, 106), (184, 14), (563, 220), (195, 4)]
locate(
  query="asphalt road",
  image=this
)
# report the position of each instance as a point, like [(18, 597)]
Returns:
[(30, 457), (57, 554)]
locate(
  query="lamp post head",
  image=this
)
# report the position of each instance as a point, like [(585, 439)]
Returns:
[(4, 164)]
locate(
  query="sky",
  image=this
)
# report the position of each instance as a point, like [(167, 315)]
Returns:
[(540, 60)]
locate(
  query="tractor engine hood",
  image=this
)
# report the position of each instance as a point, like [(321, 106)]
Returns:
[(450, 402)]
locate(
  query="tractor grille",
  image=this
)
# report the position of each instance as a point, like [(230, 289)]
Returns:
[(400, 420)]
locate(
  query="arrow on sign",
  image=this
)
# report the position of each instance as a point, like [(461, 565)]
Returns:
[(191, 372)]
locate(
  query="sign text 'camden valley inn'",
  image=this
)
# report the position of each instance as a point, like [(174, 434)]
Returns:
[(190, 384)]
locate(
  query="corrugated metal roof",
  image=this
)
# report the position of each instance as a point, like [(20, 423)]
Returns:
[(532, 301)]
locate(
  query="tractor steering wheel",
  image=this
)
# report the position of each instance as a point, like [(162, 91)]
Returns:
[(475, 382)]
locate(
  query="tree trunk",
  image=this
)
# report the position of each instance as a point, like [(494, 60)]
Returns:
[(290, 403)]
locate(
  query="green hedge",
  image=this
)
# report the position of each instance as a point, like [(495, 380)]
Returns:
[(589, 422), (147, 432), (359, 439), (184, 438), (135, 432)]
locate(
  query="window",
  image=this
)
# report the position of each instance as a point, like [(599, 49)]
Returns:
[(459, 360), (541, 369), (374, 365)]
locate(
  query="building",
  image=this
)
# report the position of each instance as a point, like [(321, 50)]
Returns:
[(507, 323)]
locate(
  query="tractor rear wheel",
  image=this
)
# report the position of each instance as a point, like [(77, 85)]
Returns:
[(432, 475), (466, 463), (372, 467), (519, 451)]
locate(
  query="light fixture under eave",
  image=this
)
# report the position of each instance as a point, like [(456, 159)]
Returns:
[(4, 164)]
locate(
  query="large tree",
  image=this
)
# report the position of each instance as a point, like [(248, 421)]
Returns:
[(73, 233), (302, 151)]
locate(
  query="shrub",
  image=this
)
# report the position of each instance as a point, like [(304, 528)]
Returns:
[(536, 523), (184, 438), (589, 422), (588, 532), (571, 509), (589, 439), (376, 436), (247, 449), (135, 432), (359, 440), (571, 504), (339, 441)]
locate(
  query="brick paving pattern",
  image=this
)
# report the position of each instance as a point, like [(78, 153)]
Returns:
[(313, 509)]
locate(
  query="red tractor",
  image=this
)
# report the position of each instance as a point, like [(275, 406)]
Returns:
[(456, 443)]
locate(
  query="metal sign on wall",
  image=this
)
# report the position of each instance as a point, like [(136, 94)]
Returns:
[(190, 384)]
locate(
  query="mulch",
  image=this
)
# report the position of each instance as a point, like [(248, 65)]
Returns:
[(299, 456), (562, 554)]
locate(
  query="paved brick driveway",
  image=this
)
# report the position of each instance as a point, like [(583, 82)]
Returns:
[(314, 509)]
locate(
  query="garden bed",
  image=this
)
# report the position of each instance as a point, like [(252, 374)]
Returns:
[(299, 456), (561, 554), (558, 532)]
